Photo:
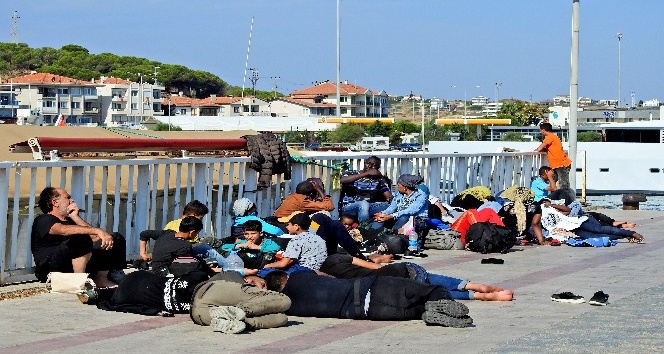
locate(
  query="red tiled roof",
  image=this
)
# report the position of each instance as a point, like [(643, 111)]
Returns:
[(177, 101), (46, 78), (222, 100), (305, 103), (329, 88), (114, 80)]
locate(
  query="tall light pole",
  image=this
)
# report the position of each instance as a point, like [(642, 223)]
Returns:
[(422, 110), (619, 36), (169, 113), (155, 75), (338, 62)]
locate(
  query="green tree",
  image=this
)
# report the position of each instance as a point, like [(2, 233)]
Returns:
[(165, 127), (377, 128), (589, 137), (513, 136), (347, 133), (522, 113)]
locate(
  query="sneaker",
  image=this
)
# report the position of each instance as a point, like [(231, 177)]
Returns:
[(87, 296), (568, 297), (599, 299), (227, 313), (447, 307), (227, 326), (441, 319)]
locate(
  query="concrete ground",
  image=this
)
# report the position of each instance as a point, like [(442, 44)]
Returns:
[(630, 273)]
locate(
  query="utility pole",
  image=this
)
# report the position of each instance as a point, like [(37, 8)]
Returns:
[(274, 89), (498, 85), (254, 79), (619, 36), (14, 32), (155, 75)]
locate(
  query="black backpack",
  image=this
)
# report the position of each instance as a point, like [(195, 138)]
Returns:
[(485, 237)]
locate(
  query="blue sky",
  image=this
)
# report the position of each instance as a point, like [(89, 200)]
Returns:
[(423, 46)]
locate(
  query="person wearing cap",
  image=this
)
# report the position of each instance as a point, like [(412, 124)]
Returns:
[(305, 250), (309, 197), (365, 192), (411, 201)]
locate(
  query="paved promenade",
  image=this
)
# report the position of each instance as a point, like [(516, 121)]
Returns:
[(632, 322)]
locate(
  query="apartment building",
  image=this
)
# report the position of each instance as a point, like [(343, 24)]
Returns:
[(125, 102), (221, 106), (53, 95), (321, 100)]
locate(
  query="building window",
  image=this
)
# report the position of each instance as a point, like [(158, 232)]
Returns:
[(245, 108), (90, 91), (63, 91), (48, 104), (183, 111), (254, 109), (222, 109), (116, 106), (134, 106), (156, 94), (134, 93), (343, 99), (75, 91), (89, 106), (76, 105), (236, 109), (156, 107), (63, 104)]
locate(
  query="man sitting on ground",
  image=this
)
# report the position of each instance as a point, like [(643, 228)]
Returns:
[(366, 192), (63, 242), (411, 201), (309, 197), (544, 183), (170, 245)]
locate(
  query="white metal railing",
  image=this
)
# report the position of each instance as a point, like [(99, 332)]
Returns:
[(129, 196)]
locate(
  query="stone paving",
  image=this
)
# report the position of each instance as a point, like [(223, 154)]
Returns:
[(630, 273)]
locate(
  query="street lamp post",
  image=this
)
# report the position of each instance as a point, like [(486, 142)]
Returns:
[(155, 75), (169, 114), (619, 36), (422, 110)]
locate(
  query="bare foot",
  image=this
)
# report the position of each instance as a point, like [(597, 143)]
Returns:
[(504, 295), (629, 225), (482, 288)]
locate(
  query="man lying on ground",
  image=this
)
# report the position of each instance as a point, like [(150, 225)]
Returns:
[(369, 298), (344, 266)]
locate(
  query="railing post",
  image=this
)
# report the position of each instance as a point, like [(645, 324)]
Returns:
[(250, 184), (298, 174), (434, 174)]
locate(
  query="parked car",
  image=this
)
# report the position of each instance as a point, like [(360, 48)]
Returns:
[(410, 147)]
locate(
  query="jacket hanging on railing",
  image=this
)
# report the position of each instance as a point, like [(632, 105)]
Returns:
[(269, 156)]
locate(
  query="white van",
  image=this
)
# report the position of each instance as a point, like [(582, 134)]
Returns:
[(372, 143)]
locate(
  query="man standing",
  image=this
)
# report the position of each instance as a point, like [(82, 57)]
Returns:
[(366, 192), (63, 242), (558, 160)]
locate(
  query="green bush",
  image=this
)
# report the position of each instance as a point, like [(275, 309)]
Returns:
[(164, 127)]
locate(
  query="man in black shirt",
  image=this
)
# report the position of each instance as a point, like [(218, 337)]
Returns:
[(169, 244), (373, 298), (63, 242)]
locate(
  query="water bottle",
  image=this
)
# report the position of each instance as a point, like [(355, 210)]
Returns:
[(412, 242), (233, 263)]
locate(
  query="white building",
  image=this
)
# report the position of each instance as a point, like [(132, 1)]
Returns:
[(321, 100), (479, 101), (126, 102), (491, 109), (651, 103), (215, 106), (53, 95)]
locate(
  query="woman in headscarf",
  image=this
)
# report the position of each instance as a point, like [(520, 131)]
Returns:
[(410, 201)]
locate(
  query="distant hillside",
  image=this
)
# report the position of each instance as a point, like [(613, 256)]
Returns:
[(75, 61)]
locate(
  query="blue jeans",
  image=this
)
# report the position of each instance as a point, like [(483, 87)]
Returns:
[(294, 268), (363, 209), (454, 285), (206, 251), (400, 221), (593, 228)]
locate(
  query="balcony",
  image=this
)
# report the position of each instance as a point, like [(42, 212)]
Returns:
[(117, 99)]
